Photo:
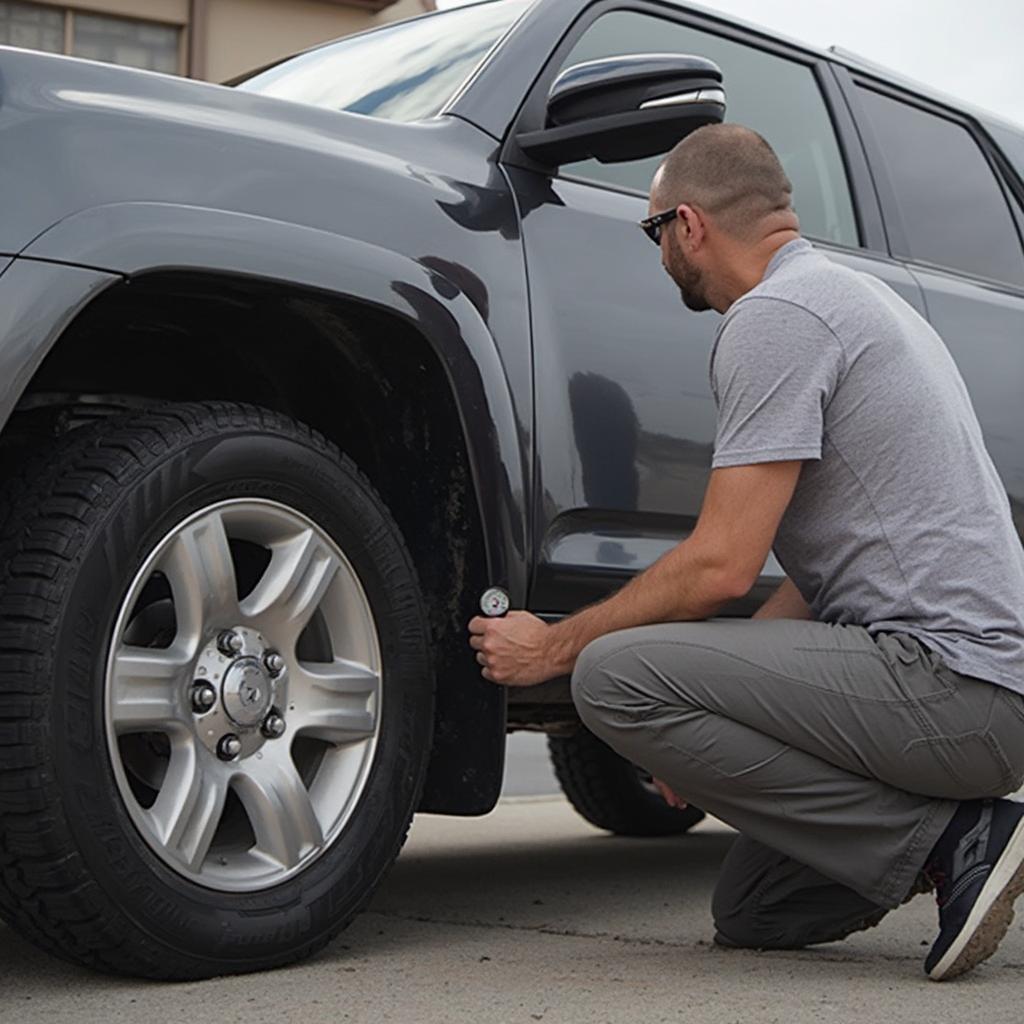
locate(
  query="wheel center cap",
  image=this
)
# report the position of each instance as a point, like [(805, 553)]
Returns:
[(247, 691)]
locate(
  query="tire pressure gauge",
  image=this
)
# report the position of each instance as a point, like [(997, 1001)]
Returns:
[(494, 603)]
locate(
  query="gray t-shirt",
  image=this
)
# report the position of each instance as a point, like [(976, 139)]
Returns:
[(899, 521)]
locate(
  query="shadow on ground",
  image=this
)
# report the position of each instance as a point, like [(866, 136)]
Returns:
[(587, 883), (527, 915), (471, 872)]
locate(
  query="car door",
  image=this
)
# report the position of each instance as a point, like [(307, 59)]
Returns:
[(952, 218), (625, 419)]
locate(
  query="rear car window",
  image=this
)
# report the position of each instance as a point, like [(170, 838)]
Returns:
[(943, 192)]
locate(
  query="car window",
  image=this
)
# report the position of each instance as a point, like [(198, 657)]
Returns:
[(944, 193), (777, 97), (1012, 144), (403, 72)]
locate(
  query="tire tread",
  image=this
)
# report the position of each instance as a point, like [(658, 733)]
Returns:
[(47, 502)]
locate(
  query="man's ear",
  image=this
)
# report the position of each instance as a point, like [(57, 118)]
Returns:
[(691, 224)]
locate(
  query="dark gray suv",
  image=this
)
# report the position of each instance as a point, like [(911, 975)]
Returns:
[(291, 371)]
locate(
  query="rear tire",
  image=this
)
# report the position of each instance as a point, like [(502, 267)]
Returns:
[(611, 793), (80, 875)]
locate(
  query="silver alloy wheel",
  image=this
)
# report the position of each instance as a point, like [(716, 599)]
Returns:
[(248, 815)]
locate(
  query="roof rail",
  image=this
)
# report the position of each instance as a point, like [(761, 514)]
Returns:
[(852, 57)]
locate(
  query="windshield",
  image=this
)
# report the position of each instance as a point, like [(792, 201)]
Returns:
[(404, 72)]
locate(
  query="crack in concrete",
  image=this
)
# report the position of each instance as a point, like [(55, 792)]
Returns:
[(538, 928), (632, 940)]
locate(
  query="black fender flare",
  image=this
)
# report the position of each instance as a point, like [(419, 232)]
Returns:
[(128, 240), (135, 238)]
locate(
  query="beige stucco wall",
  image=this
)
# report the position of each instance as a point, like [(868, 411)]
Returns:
[(245, 34), (403, 9)]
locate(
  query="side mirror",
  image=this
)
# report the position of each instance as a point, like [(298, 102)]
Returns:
[(625, 108)]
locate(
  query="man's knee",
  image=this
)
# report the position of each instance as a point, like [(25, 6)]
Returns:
[(742, 921), (766, 900), (605, 678), (737, 933), (735, 901), (595, 689)]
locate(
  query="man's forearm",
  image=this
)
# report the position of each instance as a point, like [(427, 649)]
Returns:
[(681, 586), (719, 561)]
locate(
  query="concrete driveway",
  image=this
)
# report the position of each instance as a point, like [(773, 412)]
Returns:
[(528, 915)]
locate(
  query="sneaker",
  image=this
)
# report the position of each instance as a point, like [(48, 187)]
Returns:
[(977, 868)]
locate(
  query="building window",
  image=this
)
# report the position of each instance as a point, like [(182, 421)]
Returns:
[(32, 26), (139, 44), (129, 41)]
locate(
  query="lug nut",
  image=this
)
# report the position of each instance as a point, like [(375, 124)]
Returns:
[(273, 726), (204, 696), (229, 747), (230, 642), (274, 663)]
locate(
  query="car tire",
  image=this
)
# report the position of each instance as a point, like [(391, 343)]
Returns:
[(230, 546), (23, 442), (610, 792)]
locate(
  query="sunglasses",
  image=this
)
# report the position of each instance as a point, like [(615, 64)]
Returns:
[(652, 225)]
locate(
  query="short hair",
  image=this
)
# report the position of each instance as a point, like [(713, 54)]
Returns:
[(729, 171)]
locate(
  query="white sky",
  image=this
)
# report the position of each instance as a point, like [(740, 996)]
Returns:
[(970, 50)]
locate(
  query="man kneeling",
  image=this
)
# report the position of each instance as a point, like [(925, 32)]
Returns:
[(859, 730)]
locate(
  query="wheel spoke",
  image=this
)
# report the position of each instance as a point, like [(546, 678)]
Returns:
[(201, 574), (300, 571), (188, 808), (200, 789), (330, 702), (279, 808), (146, 689)]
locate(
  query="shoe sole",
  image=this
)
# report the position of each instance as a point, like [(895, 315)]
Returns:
[(990, 917)]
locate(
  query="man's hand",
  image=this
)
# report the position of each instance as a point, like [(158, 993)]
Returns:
[(515, 650), (669, 795)]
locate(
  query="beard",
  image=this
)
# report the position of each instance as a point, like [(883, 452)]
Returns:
[(688, 278)]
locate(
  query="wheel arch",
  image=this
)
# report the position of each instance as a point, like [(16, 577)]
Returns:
[(398, 368)]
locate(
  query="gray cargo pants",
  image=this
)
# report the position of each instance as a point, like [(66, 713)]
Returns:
[(839, 757)]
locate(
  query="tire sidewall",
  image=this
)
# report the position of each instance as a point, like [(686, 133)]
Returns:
[(135, 514)]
